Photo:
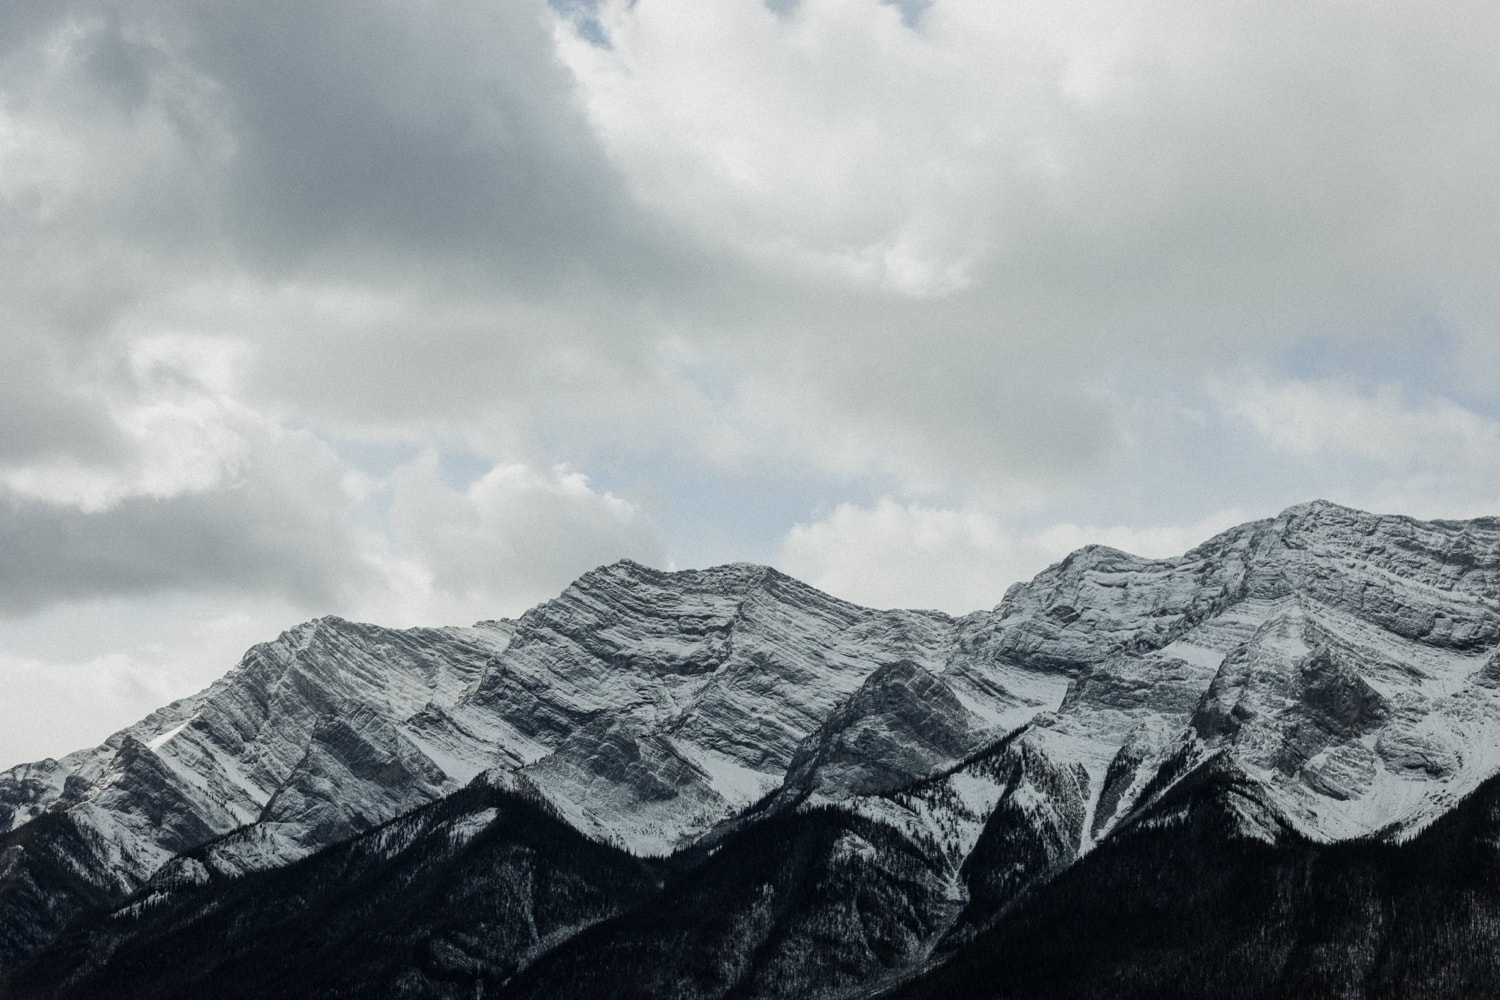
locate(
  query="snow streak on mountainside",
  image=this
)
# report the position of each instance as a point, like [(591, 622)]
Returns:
[(1339, 671)]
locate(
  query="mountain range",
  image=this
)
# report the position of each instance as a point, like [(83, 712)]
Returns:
[(1267, 767)]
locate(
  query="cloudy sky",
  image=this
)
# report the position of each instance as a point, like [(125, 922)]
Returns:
[(412, 311)]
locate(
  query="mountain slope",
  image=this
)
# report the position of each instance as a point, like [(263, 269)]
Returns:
[(475, 884), (843, 797), (1192, 908)]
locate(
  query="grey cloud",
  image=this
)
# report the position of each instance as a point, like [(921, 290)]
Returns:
[(353, 141), (1315, 171), (442, 135), (44, 415), (71, 258), (416, 230), (281, 523), (517, 534), (20, 23), (222, 542), (121, 68), (353, 146)]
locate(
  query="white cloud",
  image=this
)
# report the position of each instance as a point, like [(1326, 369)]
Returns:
[(101, 695), (1093, 165), (77, 660), (1152, 541), (989, 261), (1382, 447), (973, 247), (807, 136), (1386, 424), (515, 536), (177, 431), (905, 555), (63, 693), (898, 555)]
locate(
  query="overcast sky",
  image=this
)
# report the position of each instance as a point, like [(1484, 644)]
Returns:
[(413, 311)]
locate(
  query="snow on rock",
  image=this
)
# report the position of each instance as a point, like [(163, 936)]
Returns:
[(902, 724), (1340, 669), (210, 764), (629, 787), (634, 679)]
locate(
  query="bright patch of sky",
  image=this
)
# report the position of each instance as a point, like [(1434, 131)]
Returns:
[(413, 314)]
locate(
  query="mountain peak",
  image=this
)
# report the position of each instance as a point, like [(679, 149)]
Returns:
[(1339, 665), (1320, 506), (738, 570), (727, 577)]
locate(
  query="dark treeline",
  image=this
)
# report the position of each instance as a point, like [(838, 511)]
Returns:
[(487, 894), (1193, 910)]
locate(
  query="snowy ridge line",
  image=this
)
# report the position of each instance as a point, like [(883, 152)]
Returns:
[(1340, 666)]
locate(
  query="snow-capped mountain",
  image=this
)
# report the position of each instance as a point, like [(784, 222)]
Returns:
[(724, 782)]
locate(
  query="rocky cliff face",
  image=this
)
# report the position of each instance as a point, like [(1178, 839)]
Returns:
[(860, 794)]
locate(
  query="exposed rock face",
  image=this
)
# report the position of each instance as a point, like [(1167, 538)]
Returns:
[(901, 725), (1333, 674)]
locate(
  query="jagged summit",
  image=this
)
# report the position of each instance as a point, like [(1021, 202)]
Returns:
[(629, 584), (737, 577), (1327, 508), (1329, 673)]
